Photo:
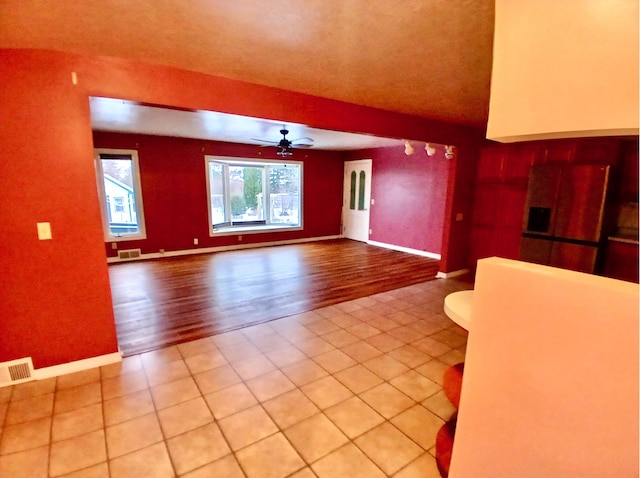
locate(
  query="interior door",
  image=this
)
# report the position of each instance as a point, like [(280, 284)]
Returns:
[(356, 200)]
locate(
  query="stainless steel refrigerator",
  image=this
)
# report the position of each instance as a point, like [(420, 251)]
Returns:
[(564, 215)]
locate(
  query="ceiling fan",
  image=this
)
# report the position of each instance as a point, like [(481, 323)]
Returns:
[(285, 146)]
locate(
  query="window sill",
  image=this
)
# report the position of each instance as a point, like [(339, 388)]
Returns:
[(125, 238), (234, 230)]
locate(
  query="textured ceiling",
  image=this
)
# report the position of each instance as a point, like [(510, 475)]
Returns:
[(430, 58)]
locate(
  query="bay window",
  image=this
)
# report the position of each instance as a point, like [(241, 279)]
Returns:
[(250, 195)]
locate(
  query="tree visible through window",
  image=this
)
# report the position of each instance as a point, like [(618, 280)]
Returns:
[(253, 193)]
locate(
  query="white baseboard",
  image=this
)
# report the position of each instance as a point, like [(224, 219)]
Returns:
[(76, 366), (235, 247), (408, 250), (451, 275)]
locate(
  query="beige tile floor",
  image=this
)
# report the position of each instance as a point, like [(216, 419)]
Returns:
[(352, 390)]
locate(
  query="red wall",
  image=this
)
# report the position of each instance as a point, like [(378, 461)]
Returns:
[(55, 301), (55, 298), (175, 193), (410, 197)]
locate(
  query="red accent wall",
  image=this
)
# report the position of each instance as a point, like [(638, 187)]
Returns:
[(55, 300), (172, 174), (410, 195)]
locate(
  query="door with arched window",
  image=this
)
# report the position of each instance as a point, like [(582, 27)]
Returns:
[(356, 199)]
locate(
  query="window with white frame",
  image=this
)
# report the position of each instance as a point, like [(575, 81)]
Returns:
[(120, 194), (253, 195)]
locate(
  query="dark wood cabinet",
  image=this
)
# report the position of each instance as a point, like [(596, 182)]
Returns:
[(485, 204), (519, 160), (497, 220), (490, 164), (512, 200), (621, 261), (501, 185), (629, 179), (559, 150), (598, 150)]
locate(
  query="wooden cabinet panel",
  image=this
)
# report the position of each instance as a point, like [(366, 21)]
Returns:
[(507, 242), (494, 241), (482, 243), (519, 160), (499, 197), (512, 200), (629, 183), (490, 163), (486, 204), (621, 261), (598, 150), (560, 150)]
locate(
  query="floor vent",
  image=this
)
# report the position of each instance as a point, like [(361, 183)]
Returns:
[(16, 371), (129, 254)]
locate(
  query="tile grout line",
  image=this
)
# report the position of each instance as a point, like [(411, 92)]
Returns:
[(263, 348)]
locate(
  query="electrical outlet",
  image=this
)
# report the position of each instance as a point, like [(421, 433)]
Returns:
[(459, 217), (114, 245), (239, 238), (195, 241)]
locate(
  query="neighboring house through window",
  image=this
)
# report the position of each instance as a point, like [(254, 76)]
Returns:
[(251, 195), (120, 194)]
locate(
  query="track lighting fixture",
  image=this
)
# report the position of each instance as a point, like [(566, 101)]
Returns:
[(408, 148), (431, 150), (449, 152)]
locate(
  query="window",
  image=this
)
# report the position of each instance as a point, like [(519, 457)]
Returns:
[(120, 194), (119, 202), (361, 191), (352, 191), (253, 195)]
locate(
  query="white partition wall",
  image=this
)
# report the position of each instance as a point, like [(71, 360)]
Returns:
[(564, 69), (550, 385)]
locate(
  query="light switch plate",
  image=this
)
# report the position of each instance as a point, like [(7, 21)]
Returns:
[(44, 231)]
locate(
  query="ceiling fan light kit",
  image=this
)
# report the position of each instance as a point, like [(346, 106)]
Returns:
[(284, 152)]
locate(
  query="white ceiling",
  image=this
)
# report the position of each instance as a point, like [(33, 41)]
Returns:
[(109, 114), (428, 58)]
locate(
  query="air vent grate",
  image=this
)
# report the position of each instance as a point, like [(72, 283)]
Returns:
[(19, 371), (129, 254), (16, 371)]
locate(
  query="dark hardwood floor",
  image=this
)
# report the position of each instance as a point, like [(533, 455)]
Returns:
[(163, 302)]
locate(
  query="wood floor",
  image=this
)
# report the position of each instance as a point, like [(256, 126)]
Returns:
[(168, 301)]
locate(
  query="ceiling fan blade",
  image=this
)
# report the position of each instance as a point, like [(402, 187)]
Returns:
[(305, 138), (264, 141), (302, 145)]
